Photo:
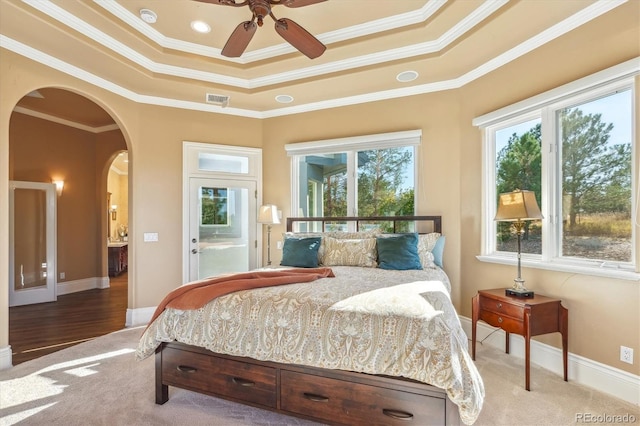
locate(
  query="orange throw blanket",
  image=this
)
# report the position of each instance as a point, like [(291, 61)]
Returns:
[(198, 293)]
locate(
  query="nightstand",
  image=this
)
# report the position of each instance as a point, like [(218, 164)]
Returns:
[(526, 317)]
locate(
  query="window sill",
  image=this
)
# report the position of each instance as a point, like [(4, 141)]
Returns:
[(585, 269)]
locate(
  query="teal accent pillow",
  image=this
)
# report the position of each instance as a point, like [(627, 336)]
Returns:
[(301, 252), (399, 253), (438, 250)]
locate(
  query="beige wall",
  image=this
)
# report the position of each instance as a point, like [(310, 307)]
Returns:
[(603, 313)]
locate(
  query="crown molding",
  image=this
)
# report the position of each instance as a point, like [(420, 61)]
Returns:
[(64, 122), (465, 25), (57, 64), (117, 171), (580, 18), (355, 31)]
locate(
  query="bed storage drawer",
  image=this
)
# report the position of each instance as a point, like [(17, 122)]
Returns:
[(219, 376), (341, 402)]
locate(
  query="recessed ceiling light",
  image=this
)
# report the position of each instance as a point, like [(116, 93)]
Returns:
[(148, 16), (284, 99), (406, 76), (200, 26)]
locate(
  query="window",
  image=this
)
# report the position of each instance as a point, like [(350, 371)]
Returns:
[(214, 162), (214, 206), (362, 176), (574, 148)]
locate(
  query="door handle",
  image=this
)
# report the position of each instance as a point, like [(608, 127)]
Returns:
[(194, 251)]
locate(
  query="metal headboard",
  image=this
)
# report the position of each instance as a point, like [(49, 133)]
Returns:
[(395, 220)]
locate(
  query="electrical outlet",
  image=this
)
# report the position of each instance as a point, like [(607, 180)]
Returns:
[(626, 354), (62, 275), (279, 245)]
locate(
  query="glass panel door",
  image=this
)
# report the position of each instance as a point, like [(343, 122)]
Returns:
[(222, 227), (32, 243)]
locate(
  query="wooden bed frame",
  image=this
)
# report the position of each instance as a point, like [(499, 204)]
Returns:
[(328, 396)]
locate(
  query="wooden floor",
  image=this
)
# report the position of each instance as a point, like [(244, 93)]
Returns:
[(36, 330)]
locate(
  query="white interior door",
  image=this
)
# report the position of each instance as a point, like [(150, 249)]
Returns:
[(222, 227), (32, 239)]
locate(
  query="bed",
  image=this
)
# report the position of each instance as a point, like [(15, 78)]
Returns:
[(373, 344)]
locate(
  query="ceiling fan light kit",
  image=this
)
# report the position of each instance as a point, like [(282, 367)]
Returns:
[(289, 30)]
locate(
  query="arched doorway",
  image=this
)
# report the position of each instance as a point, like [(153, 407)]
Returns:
[(56, 134)]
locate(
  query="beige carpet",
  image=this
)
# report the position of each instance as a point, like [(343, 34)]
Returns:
[(100, 383)]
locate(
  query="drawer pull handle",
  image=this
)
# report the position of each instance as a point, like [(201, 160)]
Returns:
[(187, 369), (397, 414), (500, 320), (315, 398), (499, 305), (243, 382)]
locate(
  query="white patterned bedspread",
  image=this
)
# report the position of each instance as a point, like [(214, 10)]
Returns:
[(396, 323)]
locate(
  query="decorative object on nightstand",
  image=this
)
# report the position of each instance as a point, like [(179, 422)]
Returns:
[(516, 207), (268, 215), (526, 317)]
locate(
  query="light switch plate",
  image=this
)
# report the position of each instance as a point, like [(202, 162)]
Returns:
[(150, 237)]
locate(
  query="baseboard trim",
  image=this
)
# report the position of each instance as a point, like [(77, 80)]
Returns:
[(602, 377), (6, 358), (103, 282), (139, 316), (67, 287)]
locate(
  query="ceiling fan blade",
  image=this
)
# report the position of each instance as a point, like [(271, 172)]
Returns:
[(299, 38), (224, 2), (239, 39), (300, 3)]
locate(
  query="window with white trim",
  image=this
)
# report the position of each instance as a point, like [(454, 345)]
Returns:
[(373, 175), (574, 147)]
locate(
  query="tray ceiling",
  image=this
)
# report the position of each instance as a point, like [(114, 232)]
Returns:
[(446, 44)]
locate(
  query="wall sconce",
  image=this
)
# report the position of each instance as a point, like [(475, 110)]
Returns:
[(113, 211), (59, 186)]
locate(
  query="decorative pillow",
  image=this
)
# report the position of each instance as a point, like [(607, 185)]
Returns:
[(398, 252), (438, 251), (349, 252), (340, 235), (299, 235), (344, 235), (426, 244), (301, 252)]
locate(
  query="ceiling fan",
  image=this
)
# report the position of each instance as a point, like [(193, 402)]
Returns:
[(293, 33)]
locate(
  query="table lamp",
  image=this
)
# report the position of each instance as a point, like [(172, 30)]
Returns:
[(516, 207)]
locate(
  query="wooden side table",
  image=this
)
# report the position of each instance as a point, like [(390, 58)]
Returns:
[(526, 317)]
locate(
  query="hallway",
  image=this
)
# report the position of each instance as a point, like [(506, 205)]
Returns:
[(40, 329)]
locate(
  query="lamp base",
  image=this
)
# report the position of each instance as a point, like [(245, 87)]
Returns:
[(524, 293)]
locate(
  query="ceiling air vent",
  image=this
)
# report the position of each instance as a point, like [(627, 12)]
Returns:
[(221, 100)]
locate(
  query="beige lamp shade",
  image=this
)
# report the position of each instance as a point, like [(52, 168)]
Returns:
[(517, 206), (268, 214)]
